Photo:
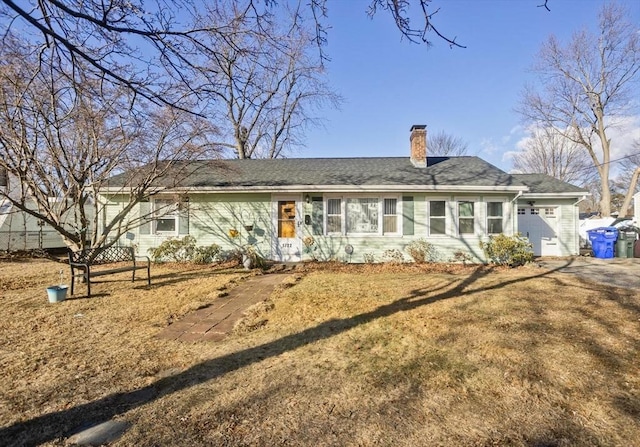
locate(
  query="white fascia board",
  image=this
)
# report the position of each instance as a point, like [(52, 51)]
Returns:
[(333, 188)]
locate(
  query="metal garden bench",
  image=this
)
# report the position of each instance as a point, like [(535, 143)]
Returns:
[(82, 263)]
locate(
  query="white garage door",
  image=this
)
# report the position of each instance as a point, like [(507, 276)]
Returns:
[(540, 225)]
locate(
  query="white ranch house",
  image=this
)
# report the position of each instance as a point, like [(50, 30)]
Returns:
[(370, 204)]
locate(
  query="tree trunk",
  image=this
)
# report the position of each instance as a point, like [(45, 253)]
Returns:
[(629, 196), (603, 170)]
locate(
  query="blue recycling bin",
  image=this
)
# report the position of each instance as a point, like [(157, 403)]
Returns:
[(603, 241)]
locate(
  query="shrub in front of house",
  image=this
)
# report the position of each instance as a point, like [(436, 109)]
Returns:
[(507, 250), (392, 255), (184, 250), (421, 251), (206, 254), (461, 257)]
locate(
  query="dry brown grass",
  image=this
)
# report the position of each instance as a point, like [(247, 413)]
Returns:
[(357, 356)]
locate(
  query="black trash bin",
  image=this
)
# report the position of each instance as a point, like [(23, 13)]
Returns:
[(625, 243)]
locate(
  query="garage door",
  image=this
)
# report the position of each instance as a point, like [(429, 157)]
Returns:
[(540, 225)]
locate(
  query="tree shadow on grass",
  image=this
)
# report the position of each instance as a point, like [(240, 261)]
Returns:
[(157, 281), (50, 426)]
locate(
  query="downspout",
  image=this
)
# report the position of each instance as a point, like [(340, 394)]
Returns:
[(582, 199), (577, 225)]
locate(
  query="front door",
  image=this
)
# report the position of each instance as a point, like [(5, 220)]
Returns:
[(287, 244)]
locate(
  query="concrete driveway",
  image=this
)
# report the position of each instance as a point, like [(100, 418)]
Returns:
[(617, 272)]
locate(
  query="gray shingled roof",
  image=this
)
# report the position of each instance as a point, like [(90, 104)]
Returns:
[(545, 184), (374, 171)]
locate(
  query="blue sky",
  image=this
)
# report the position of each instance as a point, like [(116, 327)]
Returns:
[(389, 84)]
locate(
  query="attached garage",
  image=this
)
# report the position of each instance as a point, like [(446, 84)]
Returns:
[(548, 215), (540, 226)]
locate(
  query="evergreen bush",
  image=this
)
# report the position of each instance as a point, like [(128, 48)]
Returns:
[(508, 250)]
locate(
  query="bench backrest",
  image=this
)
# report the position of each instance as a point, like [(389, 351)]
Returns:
[(100, 255)]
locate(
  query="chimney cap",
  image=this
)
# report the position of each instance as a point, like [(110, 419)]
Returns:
[(418, 127)]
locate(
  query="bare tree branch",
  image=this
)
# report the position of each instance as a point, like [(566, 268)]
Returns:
[(400, 10)]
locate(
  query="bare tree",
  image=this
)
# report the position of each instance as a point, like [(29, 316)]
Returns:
[(64, 136), (443, 144), (264, 90), (586, 85), (548, 151)]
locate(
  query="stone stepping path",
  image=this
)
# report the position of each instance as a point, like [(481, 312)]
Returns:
[(214, 322)]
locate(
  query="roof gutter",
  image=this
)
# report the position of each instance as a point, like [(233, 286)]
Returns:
[(326, 188)]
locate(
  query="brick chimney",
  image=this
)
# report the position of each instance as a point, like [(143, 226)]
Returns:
[(418, 141)]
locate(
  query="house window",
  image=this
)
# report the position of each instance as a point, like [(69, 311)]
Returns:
[(334, 215), (521, 211), (390, 216), (166, 216), (437, 217), (494, 217), (362, 215), (535, 211), (466, 213), (550, 212)]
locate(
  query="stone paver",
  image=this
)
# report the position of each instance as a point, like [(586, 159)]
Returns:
[(214, 322), (101, 434)]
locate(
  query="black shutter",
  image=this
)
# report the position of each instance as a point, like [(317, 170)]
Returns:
[(317, 216)]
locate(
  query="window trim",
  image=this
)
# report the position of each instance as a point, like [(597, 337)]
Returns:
[(477, 215), (502, 218), (344, 198), (326, 216), (446, 217), (378, 231), (398, 215)]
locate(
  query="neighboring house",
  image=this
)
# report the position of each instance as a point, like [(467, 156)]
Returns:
[(20, 230), (352, 207)]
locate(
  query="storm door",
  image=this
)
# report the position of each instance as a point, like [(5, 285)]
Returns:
[(287, 223)]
